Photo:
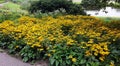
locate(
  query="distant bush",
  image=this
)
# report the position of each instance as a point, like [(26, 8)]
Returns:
[(54, 14), (93, 4), (115, 5), (52, 5), (6, 15)]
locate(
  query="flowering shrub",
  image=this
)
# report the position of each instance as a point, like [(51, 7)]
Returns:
[(65, 40)]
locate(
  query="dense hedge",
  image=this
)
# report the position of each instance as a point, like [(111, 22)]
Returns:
[(52, 5)]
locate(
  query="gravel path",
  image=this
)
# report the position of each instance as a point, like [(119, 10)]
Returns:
[(6, 60)]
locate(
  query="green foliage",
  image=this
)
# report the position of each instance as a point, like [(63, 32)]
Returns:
[(62, 53), (11, 6), (23, 4), (115, 5), (16, 46), (114, 24), (94, 4), (29, 54), (11, 11), (115, 52), (6, 15), (5, 40), (54, 14), (52, 5), (2, 1), (118, 1)]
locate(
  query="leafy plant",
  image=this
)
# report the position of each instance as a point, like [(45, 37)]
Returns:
[(52, 5), (5, 40), (29, 54)]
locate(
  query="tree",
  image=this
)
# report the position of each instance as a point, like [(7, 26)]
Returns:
[(117, 1), (94, 4), (52, 5)]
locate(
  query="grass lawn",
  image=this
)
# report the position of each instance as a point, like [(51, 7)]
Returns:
[(9, 6), (108, 19), (2, 1)]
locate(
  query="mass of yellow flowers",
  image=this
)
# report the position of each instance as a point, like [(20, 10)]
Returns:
[(87, 32)]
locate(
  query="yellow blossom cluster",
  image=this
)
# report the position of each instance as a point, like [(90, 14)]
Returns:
[(79, 30), (112, 64), (100, 50)]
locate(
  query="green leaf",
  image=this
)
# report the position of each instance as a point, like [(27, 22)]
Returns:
[(52, 60), (94, 64), (80, 56), (1, 50), (87, 64), (57, 63), (82, 61), (25, 59), (68, 62)]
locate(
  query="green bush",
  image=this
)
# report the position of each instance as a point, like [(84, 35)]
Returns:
[(115, 5), (114, 24), (52, 5), (93, 4), (5, 40), (29, 54), (54, 14), (6, 15)]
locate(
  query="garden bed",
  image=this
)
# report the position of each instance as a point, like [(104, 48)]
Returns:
[(74, 40)]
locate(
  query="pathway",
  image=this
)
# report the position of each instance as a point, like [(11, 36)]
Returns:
[(6, 60)]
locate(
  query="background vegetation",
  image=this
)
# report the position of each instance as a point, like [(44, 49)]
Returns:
[(49, 6)]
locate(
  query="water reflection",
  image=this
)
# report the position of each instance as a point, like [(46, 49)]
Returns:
[(105, 12)]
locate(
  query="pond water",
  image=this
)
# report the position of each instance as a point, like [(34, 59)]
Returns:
[(105, 12)]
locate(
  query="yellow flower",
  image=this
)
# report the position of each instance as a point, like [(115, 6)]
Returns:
[(102, 58), (113, 39), (41, 49), (91, 41), (16, 47), (54, 46), (70, 42), (48, 48), (95, 53), (87, 53), (40, 38), (70, 56), (112, 64), (74, 59), (48, 55), (82, 42), (53, 51)]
